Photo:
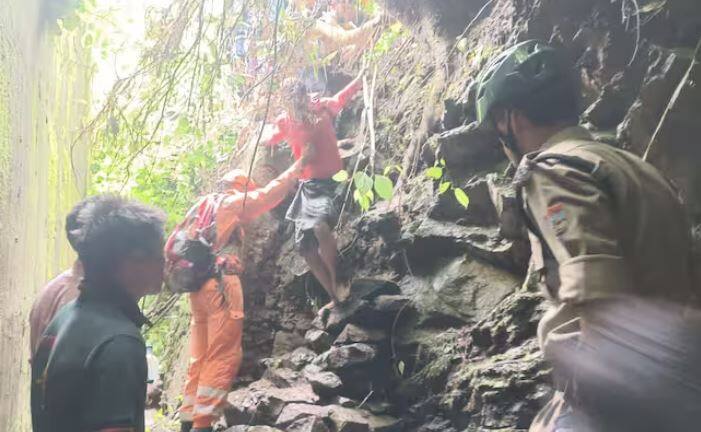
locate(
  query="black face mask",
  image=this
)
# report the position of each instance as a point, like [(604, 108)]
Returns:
[(508, 140)]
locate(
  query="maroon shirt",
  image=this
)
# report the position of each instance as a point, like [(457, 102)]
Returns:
[(61, 290)]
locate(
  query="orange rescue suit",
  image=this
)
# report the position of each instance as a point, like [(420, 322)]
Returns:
[(216, 328)]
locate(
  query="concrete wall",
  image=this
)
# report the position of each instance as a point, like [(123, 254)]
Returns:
[(44, 99)]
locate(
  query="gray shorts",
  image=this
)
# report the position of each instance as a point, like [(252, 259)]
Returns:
[(314, 202)]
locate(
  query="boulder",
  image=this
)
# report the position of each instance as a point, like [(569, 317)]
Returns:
[(318, 340), (467, 149), (615, 99), (357, 420), (433, 240), (499, 393), (461, 291), (282, 377), (241, 406), (345, 402), (437, 424), (263, 401), (358, 309), (307, 424), (298, 358), (286, 342), (503, 196), (674, 146), (480, 211), (642, 119), (390, 304), (353, 334), (294, 412), (346, 356), (325, 384), (454, 113)]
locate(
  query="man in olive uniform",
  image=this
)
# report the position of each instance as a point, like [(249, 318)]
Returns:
[(610, 240)]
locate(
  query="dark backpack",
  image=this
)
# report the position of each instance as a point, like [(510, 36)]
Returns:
[(189, 251)]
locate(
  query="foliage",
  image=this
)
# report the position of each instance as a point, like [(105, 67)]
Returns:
[(437, 172), (387, 40), (178, 114), (366, 189)]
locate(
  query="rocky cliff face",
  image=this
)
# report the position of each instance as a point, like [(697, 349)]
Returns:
[(440, 335)]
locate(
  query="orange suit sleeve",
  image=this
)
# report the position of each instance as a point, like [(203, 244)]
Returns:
[(259, 201)]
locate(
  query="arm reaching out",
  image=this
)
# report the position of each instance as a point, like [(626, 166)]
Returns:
[(275, 133), (336, 103), (258, 202)]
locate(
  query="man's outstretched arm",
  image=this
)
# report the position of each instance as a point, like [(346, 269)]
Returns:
[(259, 201), (336, 103)]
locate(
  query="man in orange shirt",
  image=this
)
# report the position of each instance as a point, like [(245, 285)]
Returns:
[(216, 328), (61, 290)]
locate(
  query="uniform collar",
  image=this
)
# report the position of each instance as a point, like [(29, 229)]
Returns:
[(572, 133), (114, 297), (524, 170)]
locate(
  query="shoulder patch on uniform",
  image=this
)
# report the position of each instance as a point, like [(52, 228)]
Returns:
[(523, 173), (557, 218)]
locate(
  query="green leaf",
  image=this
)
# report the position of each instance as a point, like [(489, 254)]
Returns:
[(183, 126), (370, 195), (384, 187), (435, 173), (462, 45), (362, 182), (444, 187), (390, 168), (364, 203), (401, 366), (87, 40), (356, 195), (462, 197), (341, 176), (363, 199), (442, 162), (70, 22)]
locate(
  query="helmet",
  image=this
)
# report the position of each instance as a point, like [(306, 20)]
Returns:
[(516, 73), (236, 179)]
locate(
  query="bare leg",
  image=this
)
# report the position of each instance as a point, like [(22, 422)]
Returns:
[(328, 250), (318, 268)]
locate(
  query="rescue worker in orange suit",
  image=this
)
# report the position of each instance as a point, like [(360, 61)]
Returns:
[(216, 328), (307, 126)]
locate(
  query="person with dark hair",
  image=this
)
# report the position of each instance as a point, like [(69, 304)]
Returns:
[(308, 128), (89, 372), (610, 240), (60, 291)]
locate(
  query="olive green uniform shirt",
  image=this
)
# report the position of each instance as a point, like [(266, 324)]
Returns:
[(613, 228)]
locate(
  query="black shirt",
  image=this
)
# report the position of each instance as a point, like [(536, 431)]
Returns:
[(89, 372)]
